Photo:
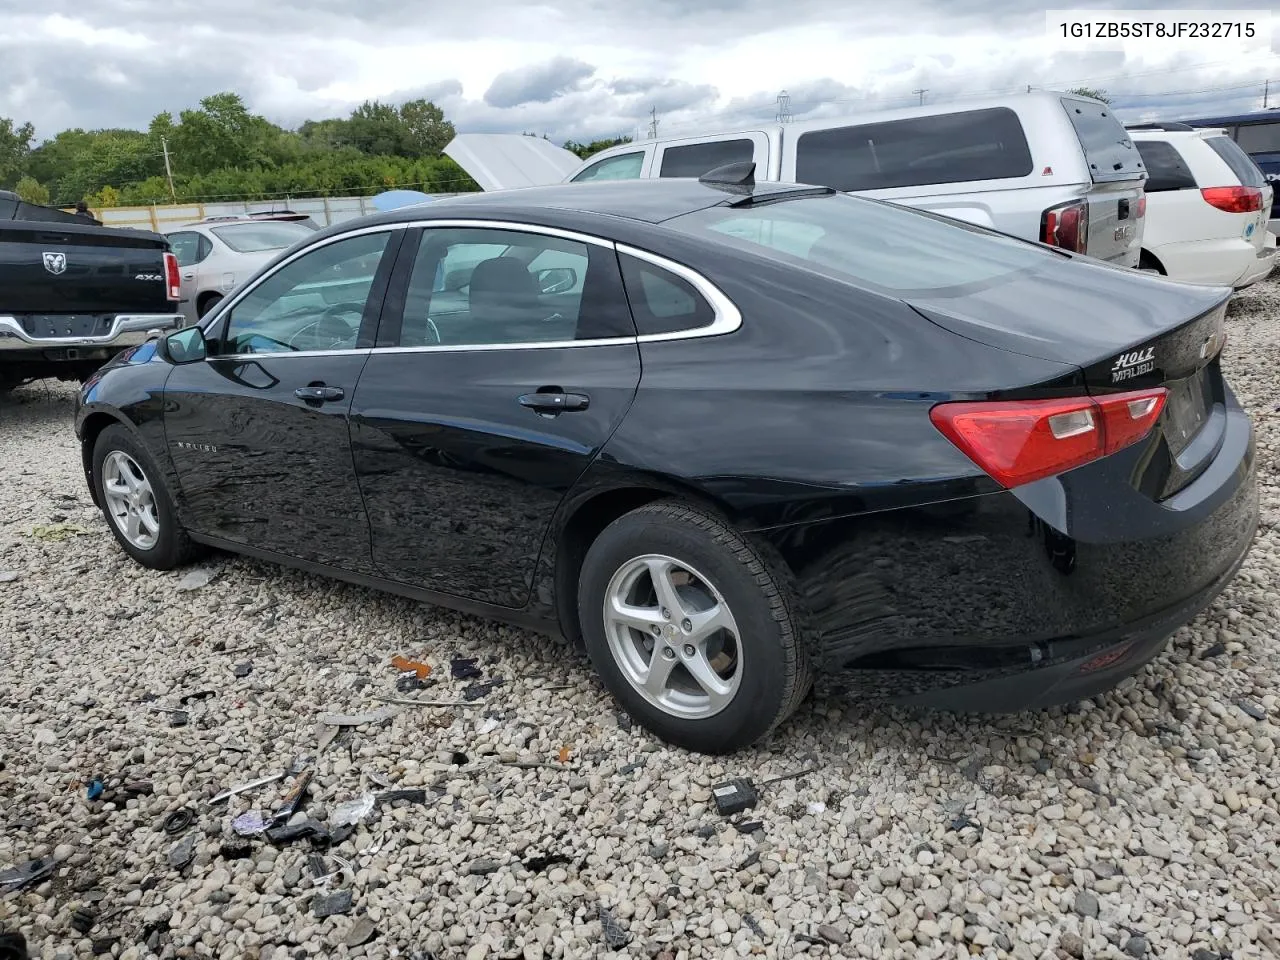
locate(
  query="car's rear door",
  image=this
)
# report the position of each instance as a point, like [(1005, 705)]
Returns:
[(258, 432), (505, 359)]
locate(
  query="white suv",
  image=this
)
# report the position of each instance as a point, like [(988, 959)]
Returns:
[(1207, 207)]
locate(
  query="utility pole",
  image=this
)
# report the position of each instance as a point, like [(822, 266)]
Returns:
[(784, 107), (168, 171), (1266, 92), (653, 124), (921, 91)]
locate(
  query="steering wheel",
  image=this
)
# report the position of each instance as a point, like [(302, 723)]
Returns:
[(332, 328)]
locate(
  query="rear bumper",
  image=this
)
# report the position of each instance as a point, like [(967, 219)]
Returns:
[(1264, 262), (1216, 262), (126, 330)]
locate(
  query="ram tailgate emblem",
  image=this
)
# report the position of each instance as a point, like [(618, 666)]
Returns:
[(55, 263)]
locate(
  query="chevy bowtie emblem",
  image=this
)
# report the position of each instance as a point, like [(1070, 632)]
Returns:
[(55, 263)]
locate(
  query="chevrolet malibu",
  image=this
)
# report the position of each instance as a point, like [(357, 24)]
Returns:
[(727, 435)]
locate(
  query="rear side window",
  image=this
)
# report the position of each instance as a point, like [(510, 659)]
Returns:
[(624, 167), (695, 159), (1259, 137), (1107, 148), (1239, 161), (661, 302), (944, 148), (1165, 167)]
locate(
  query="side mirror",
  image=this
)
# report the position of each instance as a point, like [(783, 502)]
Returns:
[(557, 279), (184, 346)]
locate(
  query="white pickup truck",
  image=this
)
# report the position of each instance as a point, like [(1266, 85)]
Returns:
[(1052, 167)]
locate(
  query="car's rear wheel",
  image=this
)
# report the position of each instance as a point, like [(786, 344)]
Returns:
[(690, 628), (207, 303), (136, 502)]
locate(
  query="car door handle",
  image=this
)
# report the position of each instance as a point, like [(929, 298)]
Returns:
[(319, 394), (188, 276), (548, 402)]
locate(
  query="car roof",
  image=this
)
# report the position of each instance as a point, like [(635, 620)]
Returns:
[(1201, 133), (644, 201)]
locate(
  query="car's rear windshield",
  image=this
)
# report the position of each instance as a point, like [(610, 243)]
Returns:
[(257, 237), (880, 246), (1241, 163), (1107, 148)]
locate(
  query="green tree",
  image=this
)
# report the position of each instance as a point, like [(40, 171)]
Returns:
[(585, 150), (426, 131), (15, 147), (1094, 92), (32, 191)]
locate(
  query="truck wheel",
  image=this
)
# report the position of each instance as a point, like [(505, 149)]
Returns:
[(136, 503), (690, 629)]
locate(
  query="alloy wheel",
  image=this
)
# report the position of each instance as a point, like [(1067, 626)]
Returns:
[(673, 636), (131, 502)]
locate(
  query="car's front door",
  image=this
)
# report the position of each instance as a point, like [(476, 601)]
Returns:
[(258, 432), (505, 360)]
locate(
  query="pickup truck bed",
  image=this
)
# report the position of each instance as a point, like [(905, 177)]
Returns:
[(73, 294)]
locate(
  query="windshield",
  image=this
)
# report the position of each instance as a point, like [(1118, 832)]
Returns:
[(256, 237), (880, 246)]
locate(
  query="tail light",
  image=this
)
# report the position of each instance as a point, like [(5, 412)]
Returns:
[(1142, 206), (1018, 441), (1066, 226), (1233, 199), (172, 279)]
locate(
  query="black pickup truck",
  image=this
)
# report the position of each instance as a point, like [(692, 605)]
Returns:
[(73, 294)]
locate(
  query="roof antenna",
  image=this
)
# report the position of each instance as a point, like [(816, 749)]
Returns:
[(737, 177)]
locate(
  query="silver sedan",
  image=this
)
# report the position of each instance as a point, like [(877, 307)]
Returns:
[(214, 256)]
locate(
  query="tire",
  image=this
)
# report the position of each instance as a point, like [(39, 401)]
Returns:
[(761, 674), (168, 546), (207, 304)]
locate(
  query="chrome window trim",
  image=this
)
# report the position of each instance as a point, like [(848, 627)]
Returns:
[(727, 317)]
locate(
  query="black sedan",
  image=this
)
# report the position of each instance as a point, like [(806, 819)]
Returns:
[(728, 435)]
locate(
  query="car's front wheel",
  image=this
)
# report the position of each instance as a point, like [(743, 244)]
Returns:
[(136, 502), (690, 628)]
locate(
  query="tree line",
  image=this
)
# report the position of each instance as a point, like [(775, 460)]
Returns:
[(222, 151)]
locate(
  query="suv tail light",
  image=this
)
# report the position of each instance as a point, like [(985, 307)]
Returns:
[(1233, 199), (1066, 226), (1142, 206), (1018, 441), (172, 278)]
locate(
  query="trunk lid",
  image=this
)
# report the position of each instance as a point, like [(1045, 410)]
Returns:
[(1124, 331), (1115, 226), (504, 161), (50, 269)]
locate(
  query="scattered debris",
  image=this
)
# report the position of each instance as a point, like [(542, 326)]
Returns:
[(482, 868), (480, 820), (358, 719), (353, 811), (630, 768), (476, 691), (1254, 710), (706, 831), (245, 787), (319, 869), (293, 799), (410, 702), (1217, 650), (249, 824), (734, 796), (83, 919), (95, 789), (417, 668), (201, 695), (307, 829), (615, 937), (565, 753), (753, 925), (488, 725), (50, 532), (816, 807), (361, 932), (410, 684), (195, 579), (242, 670), (464, 668), (179, 718), (341, 834), (414, 795), (104, 945), (27, 873), (178, 821), (235, 850), (183, 852), (790, 776), (624, 722), (748, 826), (331, 904), (540, 864)]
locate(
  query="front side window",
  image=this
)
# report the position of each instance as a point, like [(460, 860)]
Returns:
[(1166, 170), (943, 148), (880, 246), (185, 247), (627, 166), (315, 302), (472, 287)]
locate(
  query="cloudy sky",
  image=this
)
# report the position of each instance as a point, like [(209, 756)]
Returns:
[(585, 68)]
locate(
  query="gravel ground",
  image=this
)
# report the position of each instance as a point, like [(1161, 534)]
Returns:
[(1143, 823)]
